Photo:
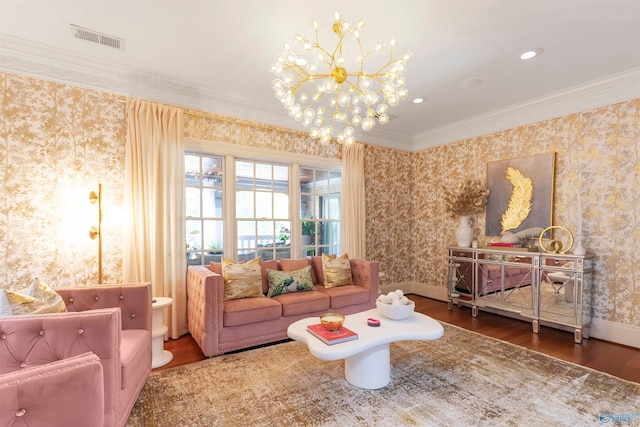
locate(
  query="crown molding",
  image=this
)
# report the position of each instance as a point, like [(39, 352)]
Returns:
[(50, 63), (597, 93)]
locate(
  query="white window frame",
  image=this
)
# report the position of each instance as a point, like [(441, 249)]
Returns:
[(233, 152), (202, 250)]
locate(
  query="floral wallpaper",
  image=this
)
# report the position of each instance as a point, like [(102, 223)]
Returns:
[(57, 142), (597, 156), (256, 135)]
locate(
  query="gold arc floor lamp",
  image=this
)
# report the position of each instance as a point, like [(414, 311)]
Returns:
[(97, 232)]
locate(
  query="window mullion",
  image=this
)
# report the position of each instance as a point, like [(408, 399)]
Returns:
[(294, 210), (229, 211), (200, 188)]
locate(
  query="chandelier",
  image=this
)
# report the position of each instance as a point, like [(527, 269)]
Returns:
[(329, 89)]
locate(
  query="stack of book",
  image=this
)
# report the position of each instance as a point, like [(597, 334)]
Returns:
[(341, 335)]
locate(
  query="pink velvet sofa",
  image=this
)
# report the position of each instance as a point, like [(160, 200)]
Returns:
[(220, 326), (107, 323)]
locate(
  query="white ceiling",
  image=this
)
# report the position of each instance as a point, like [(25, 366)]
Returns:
[(215, 55)]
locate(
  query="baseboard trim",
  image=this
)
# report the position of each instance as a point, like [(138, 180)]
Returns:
[(406, 287), (422, 289), (615, 332), (429, 291), (602, 329)]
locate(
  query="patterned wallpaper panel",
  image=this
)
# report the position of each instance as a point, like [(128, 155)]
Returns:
[(255, 135), (57, 142), (390, 215), (598, 155)]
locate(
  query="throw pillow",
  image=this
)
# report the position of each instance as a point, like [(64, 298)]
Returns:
[(267, 265), (297, 264), (337, 271), (317, 273), (283, 282), (39, 298), (5, 305), (241, 280)]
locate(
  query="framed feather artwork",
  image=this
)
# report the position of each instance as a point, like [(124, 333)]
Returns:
[(521, 194)]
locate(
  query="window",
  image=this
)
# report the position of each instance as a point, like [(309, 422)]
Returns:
[(242, 208), (204, 208), (262, 211), (320, 211)]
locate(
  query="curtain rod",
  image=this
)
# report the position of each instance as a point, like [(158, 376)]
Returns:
[(228, 119)]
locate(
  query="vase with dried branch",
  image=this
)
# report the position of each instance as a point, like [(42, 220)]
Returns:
[(466, 199)]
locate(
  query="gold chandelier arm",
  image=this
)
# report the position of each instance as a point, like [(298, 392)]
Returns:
[(323, 50), (299, 72), (347, 95), (354, 87), (316, 45), (294, 89), (381, 69), (336, 109), (308, 78), (338, 48)]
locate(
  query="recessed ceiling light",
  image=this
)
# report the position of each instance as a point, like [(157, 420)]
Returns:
[(531, 54), (418, 101)]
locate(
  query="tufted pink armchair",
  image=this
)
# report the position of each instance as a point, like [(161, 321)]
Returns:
[(69, 392), (111, 321)]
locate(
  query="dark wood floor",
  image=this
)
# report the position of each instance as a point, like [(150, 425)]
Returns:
[(615, 359)]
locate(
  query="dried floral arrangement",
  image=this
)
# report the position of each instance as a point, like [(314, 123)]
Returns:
[(466, 198)]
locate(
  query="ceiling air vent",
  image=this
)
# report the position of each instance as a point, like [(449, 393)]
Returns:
[(96, 37)]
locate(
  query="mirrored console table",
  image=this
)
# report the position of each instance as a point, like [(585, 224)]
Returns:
[(546, 289)]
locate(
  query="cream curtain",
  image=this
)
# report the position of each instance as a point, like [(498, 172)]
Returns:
[(154, 238), (353, 226)]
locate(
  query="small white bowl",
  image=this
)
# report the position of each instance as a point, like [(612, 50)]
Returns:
[(396, 312)]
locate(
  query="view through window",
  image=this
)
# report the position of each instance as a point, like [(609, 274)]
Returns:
[(320, 211), (262, 211), (262, 196), (204, 208)]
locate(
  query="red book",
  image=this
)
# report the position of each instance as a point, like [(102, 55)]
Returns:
[(341, 335), (506, 245)]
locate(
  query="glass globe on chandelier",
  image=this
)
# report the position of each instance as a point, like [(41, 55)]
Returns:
[(330, 90)]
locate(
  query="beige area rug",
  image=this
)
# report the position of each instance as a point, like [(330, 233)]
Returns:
[(462, 379)]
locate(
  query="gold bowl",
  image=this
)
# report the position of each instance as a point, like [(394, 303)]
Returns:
[(332, 321)]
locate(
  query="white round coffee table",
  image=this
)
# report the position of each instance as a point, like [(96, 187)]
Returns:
[(160, 356)]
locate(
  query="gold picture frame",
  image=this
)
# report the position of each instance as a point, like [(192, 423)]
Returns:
[(522, 193)]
